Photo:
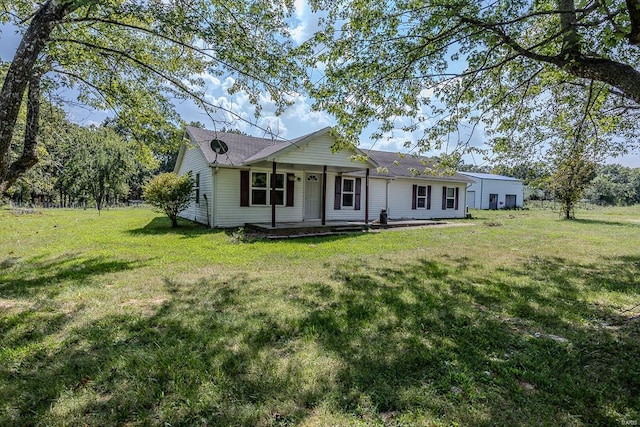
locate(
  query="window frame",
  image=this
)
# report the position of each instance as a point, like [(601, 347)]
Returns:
[(267, 188), (351, 193), (422, 198), (451, 199)]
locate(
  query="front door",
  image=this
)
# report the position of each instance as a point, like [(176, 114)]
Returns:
[(510, 201), (493, 201), (312, 196)]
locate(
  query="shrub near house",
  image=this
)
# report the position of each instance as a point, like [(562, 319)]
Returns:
[(169, 193)]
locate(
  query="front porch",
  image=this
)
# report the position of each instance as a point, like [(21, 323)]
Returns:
[(316, 228)]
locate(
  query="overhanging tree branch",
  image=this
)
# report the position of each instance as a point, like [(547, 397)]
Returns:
[(633, 7), (621, 76)]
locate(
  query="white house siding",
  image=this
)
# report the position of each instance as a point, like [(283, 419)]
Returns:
[(195, 162), (377, 197), (347, 214), (229, 213), (400, 200), (317, 151), (484, 187)]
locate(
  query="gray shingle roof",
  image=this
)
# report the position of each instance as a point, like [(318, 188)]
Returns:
[(241, 147), (244, 149), (410, 166)]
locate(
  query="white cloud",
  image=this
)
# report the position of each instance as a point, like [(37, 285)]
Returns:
[(304, 23), (210, 80), (273, 126), (301, 111), (228, 83), (300, 7), (299, 34)]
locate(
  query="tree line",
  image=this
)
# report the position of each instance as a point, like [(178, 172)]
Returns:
[(83, 166)]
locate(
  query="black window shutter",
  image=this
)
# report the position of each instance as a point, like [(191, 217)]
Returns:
[(291, 180), (356, 205), (428, 197), (414, 197), (338, 194), (457, 197), (444, 198), (244, 188)]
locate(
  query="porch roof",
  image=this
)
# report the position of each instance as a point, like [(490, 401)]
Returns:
[(244, 150)]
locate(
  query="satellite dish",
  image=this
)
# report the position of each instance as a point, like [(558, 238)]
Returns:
[(218, 147)]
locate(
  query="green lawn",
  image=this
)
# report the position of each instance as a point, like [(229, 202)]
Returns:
[(518, 318)]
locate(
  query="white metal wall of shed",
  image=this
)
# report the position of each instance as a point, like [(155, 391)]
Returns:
[(195, 162), (484, 187)]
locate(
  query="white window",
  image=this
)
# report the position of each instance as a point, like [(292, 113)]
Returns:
[(451, 197), (348, 192), (261, 188), (421, 197)]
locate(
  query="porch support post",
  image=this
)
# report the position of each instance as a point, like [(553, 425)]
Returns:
[(324, 195), (366, 195), (273, 196)]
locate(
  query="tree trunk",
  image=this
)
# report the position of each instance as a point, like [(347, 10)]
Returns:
[(20, 74), (29, 156)]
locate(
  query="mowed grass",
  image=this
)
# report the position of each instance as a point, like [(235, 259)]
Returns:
[(517, 318)]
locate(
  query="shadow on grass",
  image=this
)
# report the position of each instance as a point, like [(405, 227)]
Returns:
[(603, 222), (30, 278), (422, 343), (162, 225)]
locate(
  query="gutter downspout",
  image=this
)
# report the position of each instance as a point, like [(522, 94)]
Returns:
[(214, 191), (206, 202)]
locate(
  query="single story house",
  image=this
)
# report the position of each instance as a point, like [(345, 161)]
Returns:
[(243, 179), (489, 191)]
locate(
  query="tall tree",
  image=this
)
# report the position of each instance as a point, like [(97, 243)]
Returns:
[(572, 174), (136, 57), (104, 161), (437, 66)]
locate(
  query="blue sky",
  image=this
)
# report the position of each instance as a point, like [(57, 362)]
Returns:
[(295, 121)]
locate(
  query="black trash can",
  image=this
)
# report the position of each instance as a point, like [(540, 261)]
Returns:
[(383, 216)]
